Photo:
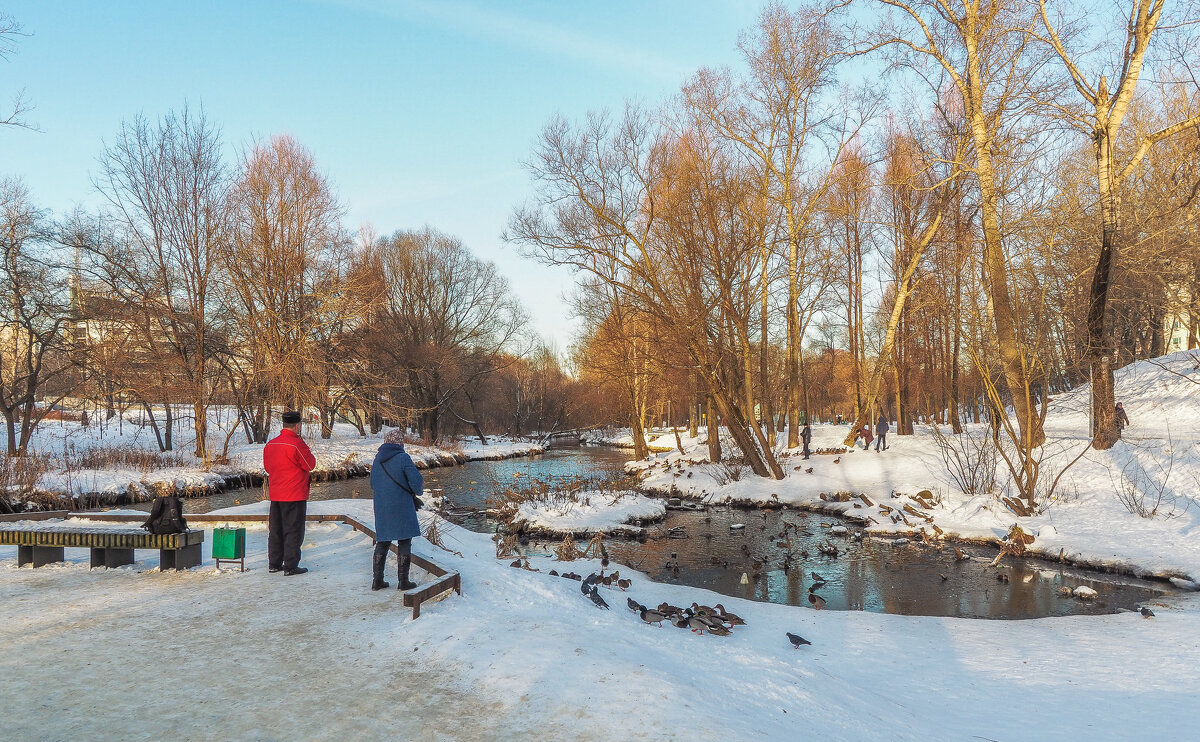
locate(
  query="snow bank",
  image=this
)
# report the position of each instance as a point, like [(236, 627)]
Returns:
[(345, 453), (1160, 395), (590, 512), (623, 438), (1084, 522)]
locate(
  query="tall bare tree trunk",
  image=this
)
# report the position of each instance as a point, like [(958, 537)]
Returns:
[(714, 430), (793, 346), (1012, 358)]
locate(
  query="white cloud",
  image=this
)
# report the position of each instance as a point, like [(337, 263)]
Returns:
[(528, 33)]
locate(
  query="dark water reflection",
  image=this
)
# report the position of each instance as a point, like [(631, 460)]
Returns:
[(871, 575)]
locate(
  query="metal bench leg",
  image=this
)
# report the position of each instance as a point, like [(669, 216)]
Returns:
[(43, 555), (118, 557), (180, 559)]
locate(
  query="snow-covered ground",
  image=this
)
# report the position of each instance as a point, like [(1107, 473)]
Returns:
[(344, 452), (589, 512), (623, 438), (130, 653), (1084, 520)]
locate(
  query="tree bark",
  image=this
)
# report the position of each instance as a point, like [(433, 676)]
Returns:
[(714, 430)]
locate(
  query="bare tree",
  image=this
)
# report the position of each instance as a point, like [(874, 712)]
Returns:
[(1100, 117), (283, 267), (443, 324), (783, 116), (10, 31), (981, 50), (34, 313), (676, 228), (167, 187)]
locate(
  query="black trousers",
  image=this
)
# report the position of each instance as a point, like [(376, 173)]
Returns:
[(285, 533), (881, 441), (404, 545)]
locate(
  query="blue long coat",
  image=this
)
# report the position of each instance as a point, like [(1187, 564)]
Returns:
[(395, 515)]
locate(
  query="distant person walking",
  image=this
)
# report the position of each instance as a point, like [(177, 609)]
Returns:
[(289, 464), (397, 486), (806, 438), (881, 431), (1122, 419)]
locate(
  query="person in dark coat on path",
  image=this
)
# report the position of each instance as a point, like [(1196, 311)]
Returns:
[(396, 483), (289, 464), (881, 431), (1122, 419), (806, 438)]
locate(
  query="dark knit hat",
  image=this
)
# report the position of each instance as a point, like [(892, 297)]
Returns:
[(290, 418)]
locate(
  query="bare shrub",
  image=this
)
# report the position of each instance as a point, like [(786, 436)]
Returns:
[(72, 416), (122, 457), (724, 472), (19, 476), (971, 460), (434, 536), (567, 551), (1144, 494)]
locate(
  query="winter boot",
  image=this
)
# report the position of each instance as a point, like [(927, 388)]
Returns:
[(405, 563), (378, 560)]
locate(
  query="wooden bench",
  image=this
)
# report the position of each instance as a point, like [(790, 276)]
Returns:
[(42, 543)]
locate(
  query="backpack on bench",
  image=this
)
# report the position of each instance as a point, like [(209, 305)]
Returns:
[(166, 516)]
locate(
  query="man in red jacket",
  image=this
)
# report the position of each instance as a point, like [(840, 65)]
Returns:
[(288, 463)]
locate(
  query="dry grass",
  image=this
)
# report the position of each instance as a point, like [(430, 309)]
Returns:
[(567, 551), (122, 457), (71, 416), (434, 536), (19, 476)]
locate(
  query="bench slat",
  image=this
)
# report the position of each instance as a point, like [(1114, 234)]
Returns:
[(98, 538)]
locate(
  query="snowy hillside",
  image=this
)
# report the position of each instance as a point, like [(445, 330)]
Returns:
[(1159, 395)]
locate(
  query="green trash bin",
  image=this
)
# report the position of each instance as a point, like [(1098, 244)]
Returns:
[(229, 545)]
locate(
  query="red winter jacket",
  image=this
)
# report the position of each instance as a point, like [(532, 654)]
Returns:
[(288, 461)]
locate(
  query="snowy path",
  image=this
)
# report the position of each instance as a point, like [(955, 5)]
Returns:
[(523, 655), (125, 655)]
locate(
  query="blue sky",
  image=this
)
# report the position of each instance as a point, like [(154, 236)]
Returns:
[(419, 112)]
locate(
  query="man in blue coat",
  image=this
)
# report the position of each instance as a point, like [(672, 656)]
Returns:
[(396, 484)]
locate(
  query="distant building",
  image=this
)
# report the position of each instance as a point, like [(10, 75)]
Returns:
[(1178, 322)]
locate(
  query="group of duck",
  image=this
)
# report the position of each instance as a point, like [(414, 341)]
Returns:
[(699, 618)]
